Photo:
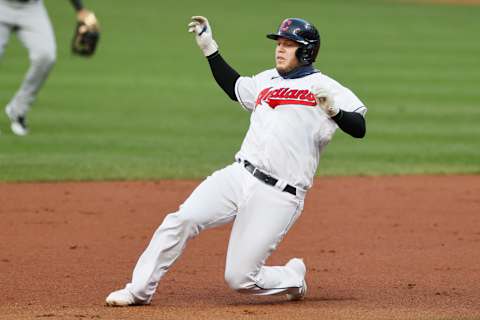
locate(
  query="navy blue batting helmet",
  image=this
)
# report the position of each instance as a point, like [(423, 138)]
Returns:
[(302, 32)]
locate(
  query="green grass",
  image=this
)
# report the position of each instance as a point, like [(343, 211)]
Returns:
[(146, 106)]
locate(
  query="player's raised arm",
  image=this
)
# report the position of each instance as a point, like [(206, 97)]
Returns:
[(225, 75)]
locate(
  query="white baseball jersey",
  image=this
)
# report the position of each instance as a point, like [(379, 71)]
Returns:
[(288, 131)]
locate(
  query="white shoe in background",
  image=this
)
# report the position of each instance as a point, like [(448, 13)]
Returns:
[(19, 123)]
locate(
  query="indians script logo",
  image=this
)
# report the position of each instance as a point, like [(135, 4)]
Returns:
[(281, 96)]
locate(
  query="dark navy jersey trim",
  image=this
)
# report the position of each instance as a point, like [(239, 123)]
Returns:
[(299, 72)]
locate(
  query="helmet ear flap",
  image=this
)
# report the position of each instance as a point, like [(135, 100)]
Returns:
[(309, 48), (300, 54), (304, 54)]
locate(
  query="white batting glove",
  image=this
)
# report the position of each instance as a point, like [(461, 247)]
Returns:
[(203, 35), (325, 101)]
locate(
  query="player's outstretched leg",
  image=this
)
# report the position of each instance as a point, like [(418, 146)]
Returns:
[(211, 204)]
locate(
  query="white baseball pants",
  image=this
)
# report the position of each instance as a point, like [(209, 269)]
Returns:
[(261, 216), (31, 23)]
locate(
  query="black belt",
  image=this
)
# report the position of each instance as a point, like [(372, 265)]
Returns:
[(266, 178)]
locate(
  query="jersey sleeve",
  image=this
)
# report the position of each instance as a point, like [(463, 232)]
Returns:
[(346, 100), (246, 92)]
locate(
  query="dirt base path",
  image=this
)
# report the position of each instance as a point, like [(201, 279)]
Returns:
[(375, 248)]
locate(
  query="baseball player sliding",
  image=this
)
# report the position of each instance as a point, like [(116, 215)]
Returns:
[(295, 110), (29, 20)]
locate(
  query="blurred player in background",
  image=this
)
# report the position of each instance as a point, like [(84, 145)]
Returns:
[(30, 21)]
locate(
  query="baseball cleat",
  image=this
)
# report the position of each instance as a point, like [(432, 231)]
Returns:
[(123, 298), (19, 123), (296, 294), (19, 127)]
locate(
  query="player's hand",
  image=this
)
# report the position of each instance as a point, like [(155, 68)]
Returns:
[(203, 35), (88, 18), (325, 101), (86, 34)]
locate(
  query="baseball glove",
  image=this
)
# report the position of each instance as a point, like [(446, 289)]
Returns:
[(86, 35)]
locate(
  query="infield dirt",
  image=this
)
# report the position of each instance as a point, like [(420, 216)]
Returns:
[(375, 248)]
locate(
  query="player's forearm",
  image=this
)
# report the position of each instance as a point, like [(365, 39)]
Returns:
[(77, 4), (352, 123), (225, 75)]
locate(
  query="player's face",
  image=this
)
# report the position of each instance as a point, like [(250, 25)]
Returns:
[(285, 58)]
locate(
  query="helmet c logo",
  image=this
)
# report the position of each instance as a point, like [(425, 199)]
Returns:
[(285, 25)]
